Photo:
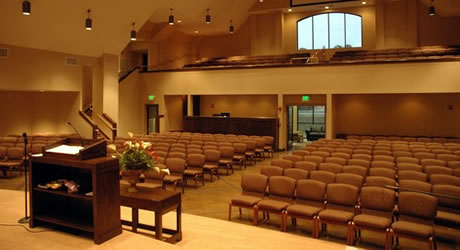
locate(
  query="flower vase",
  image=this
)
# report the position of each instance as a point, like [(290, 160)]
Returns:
[(132, 177)]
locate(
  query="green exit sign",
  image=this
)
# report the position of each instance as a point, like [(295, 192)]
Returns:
[(305, 98), (151, 97)]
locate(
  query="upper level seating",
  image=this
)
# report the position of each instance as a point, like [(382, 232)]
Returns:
[(397, 55), (235, 61)]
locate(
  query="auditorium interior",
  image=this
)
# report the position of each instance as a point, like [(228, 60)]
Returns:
[(333, 96)]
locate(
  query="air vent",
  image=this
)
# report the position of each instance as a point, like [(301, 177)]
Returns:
[(4, 53), (73, 61)]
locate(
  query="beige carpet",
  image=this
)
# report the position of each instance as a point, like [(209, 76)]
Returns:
[(198, 233)]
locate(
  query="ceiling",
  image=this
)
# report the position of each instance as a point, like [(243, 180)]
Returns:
[(58, 25)]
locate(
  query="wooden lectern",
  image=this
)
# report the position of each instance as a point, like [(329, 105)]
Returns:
[(95, 208)]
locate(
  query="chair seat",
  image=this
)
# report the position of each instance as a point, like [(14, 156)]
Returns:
[(224, 162), (372, 221), (149, 185), (336, 215), (210, 166), (193, 172), (172, 178), (246, 200), (239, 157), (443, 217), (411, 228), (273, 205), (10, 163), (303, 210)]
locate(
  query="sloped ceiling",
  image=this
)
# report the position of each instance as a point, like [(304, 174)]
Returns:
[(58, 25)]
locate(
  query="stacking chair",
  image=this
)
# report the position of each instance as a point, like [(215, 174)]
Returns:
[(405, 159), (429, 170), (412, 175), (253, 187), (382, 152), (330, 167), (416, 215), (354, 169), (306, 165), (211, 163), (313, 158), (360, 162), (310, 196), (282, 163), (260, 151), (447, 157), (153, 179), (336, 160), (401, 153), (383, 164), (323, 154), (190, 151), (341, 200), (424, 155), (271, 171), (268, 148), (177, 155), (384, 158), (250, 152), (239, 155), (436, 179), (323, 176), (343, 152), (226, 158), (350, 179), (433, 162), (375, 212), (384, 172), (410, 167), (14, 160), (292, 158), (176, 168), (195, 163), (449, 209), (281, 193), (379, 181), (301, 153), (415, 185), (295, 173)]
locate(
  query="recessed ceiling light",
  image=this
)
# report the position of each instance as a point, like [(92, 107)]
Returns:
[(289, 10), (179, 21), (261, 1), (326, 7), (363, 2), (42, 90), (196, 32)]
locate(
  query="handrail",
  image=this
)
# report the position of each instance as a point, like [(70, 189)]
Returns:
[(93, 125), (127, 74), (109, 123)]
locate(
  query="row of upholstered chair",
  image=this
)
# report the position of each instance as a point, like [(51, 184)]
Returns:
[(397, 151), (403, 138), (339, 203)]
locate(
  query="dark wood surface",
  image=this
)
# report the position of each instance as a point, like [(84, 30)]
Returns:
[(98, 214), (157, 200), (233, 125)]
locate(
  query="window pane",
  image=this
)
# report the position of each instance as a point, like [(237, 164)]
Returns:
[(337, 30), (305, 114), (304, 34), (319, 114), (353, 26), (320, 29)]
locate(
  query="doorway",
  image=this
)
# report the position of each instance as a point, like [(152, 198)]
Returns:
[(306, 123), (153, 119)]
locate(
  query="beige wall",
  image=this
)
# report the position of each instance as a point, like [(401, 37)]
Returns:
[(432, 77), (403, 114), (437, 30), (239, 105), (131, 107), (174, 118), (34, 70), (38, 112)]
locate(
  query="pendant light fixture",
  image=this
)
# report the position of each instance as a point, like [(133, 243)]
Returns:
[(133, 33), (208, 17), (231, 28), (26, 7), (171, 17), (431, 10), (88, 22)]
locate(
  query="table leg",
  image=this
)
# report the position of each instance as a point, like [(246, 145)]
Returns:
[(135, 219), (158, 225), (179, 218)]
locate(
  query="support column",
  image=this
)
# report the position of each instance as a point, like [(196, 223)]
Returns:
[(281, 126), (330, 133), (190, 105), (110, 66)]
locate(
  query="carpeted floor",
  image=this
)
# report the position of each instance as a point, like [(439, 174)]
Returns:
[(208, 207)]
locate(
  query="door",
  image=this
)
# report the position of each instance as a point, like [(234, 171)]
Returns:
[(290, 127), (153, 121)]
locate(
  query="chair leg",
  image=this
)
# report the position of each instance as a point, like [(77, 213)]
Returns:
[(315, 229), (202, 179), (256, 215), (350, 233), (230, 212), (241, 212), (182, 186), (388, 239)]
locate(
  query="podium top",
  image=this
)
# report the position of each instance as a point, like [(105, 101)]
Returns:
[(76, 149)]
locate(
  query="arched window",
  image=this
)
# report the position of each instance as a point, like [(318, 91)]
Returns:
[(329, 31)]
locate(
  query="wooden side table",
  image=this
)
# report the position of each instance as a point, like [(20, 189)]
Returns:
[(157, 200)]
